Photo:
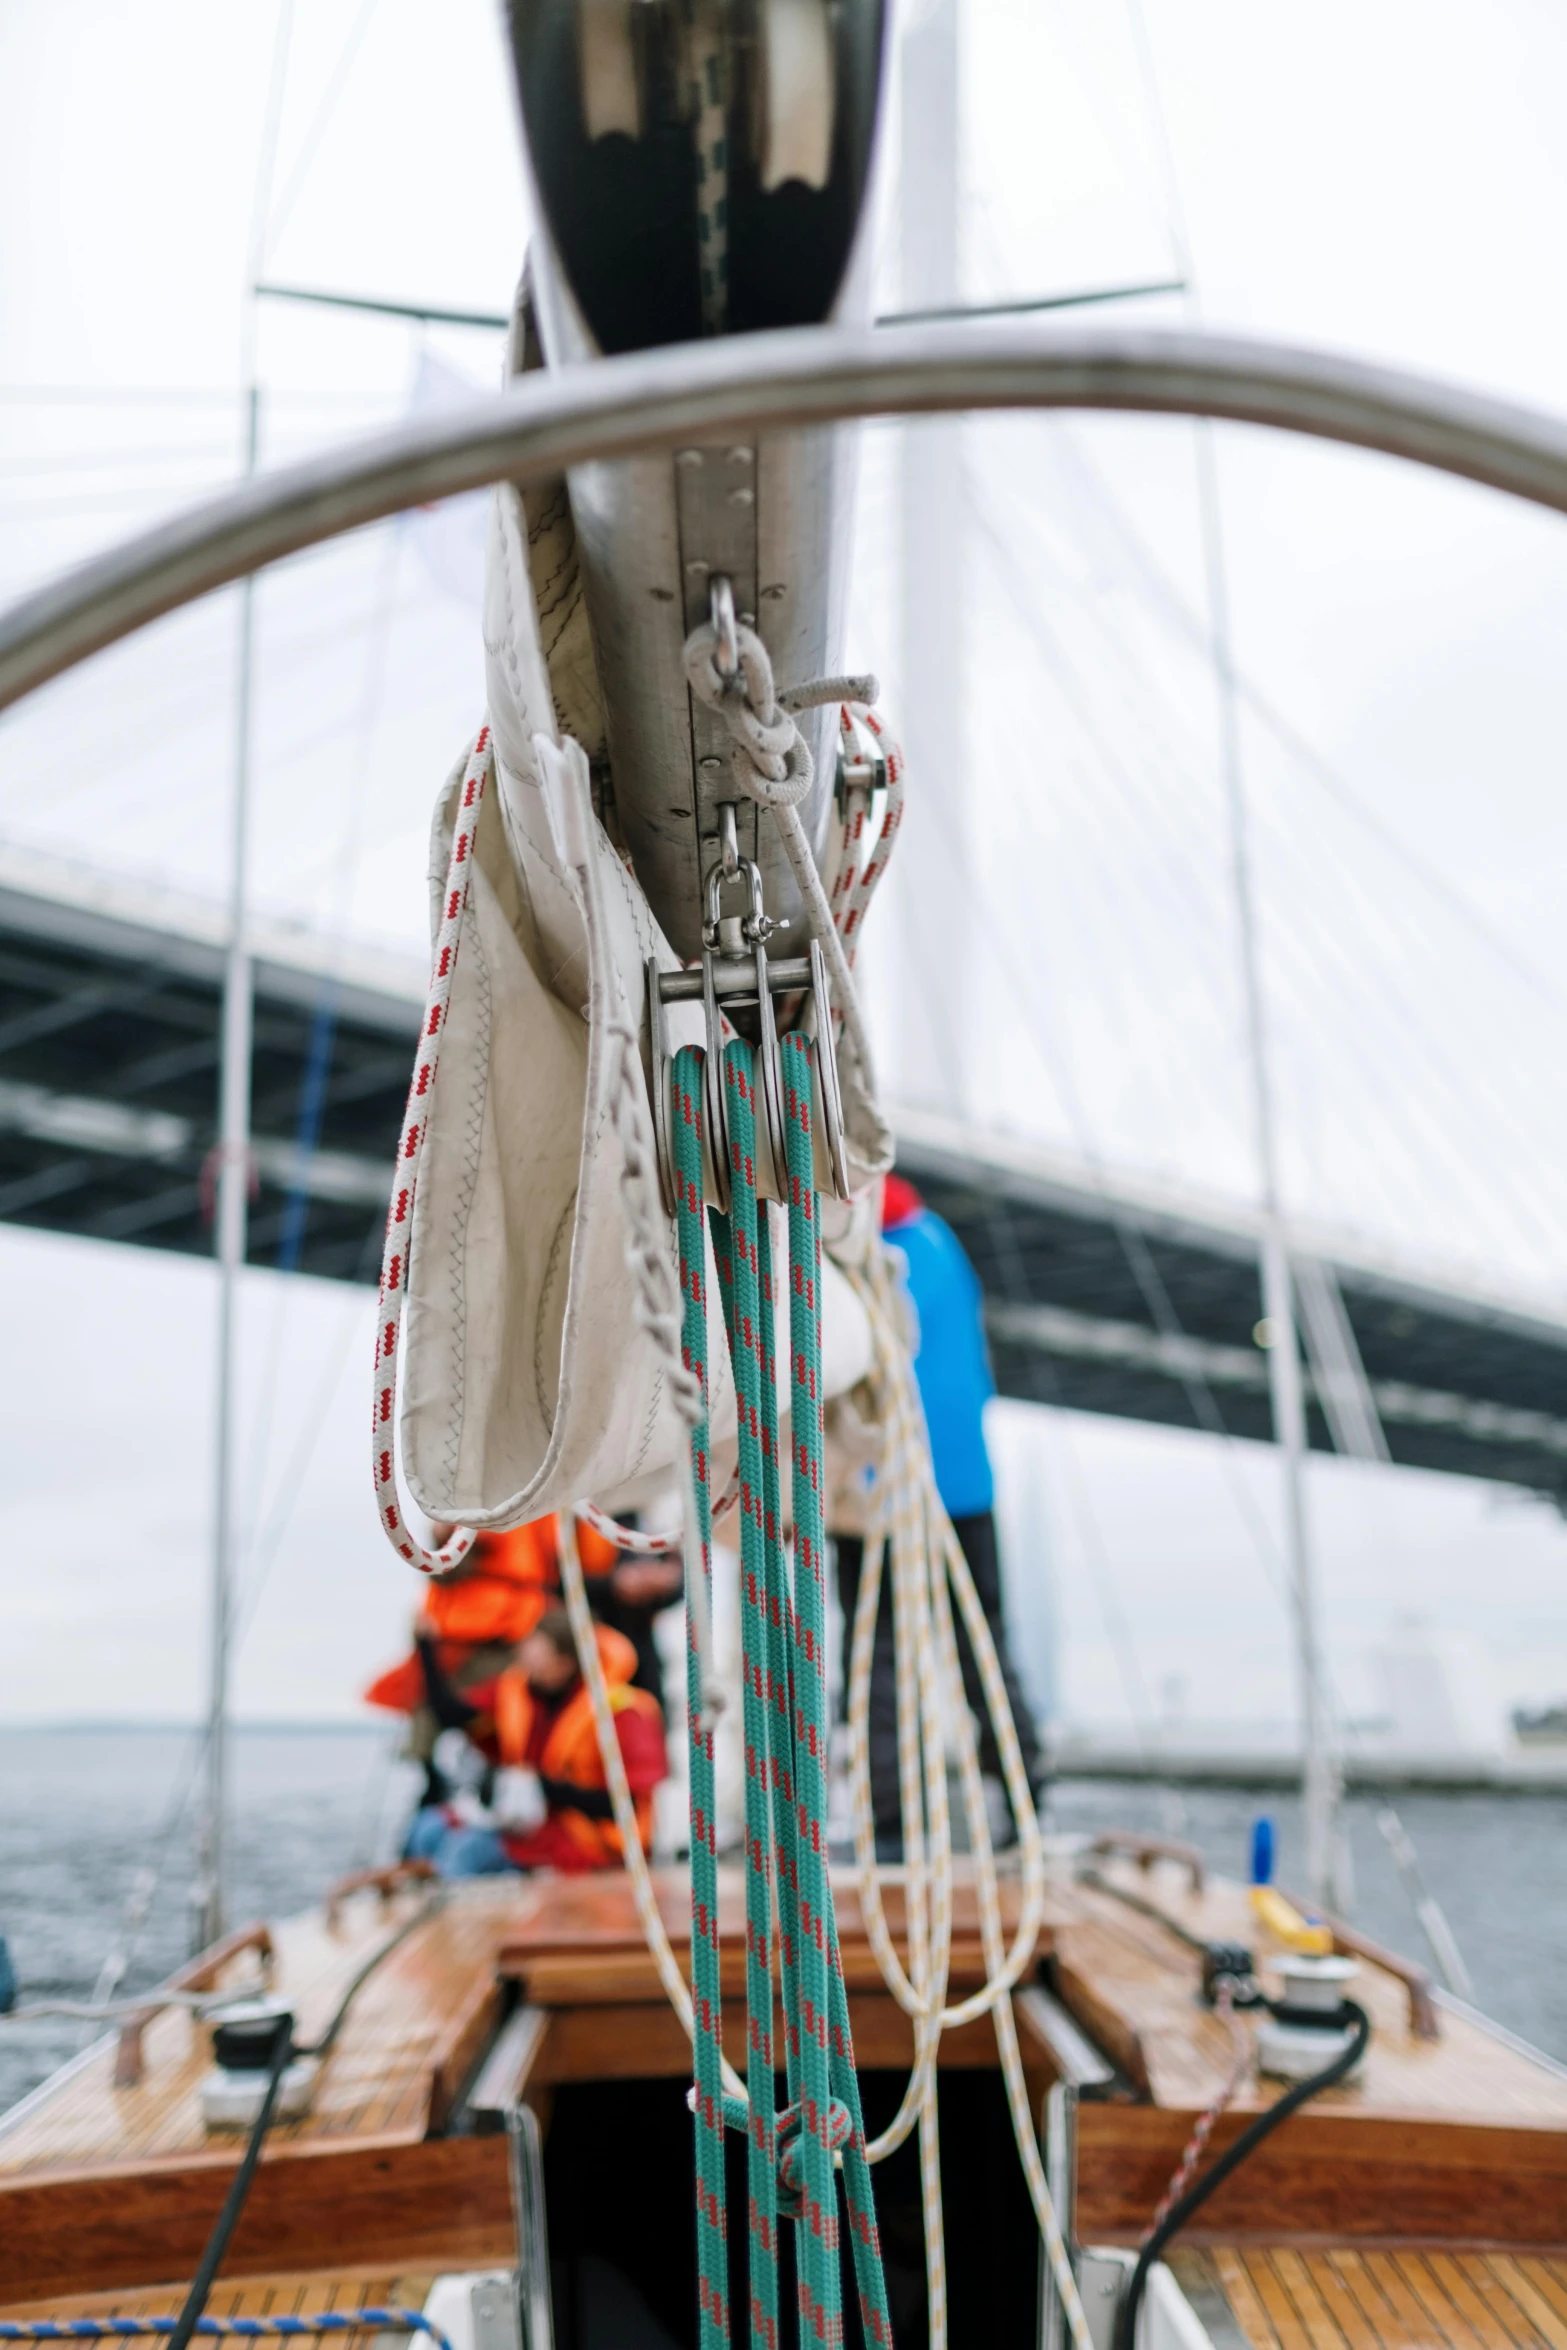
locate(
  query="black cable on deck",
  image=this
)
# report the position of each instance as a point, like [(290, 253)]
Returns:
[(1230, 2160)]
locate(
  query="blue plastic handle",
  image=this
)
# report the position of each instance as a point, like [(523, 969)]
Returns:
[(1262, 1851)]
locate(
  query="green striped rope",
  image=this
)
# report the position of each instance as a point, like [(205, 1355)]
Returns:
[(712, 2225), (823, 1964), (735, 1248), (792, 2156)]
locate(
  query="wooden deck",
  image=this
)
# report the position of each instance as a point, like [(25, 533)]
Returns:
[(1130, 1977), (410, 2038), (1460, 2139), (1277, 2298), (1454, 2142)]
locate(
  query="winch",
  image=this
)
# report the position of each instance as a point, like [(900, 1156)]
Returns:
[(1309, 2025), (245, 2039)]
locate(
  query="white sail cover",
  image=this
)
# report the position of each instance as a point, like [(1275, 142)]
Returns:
[(527, 1384)]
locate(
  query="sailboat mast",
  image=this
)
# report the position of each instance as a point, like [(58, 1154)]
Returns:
[(233, 1182), (1320, 1770), (934, 1010)]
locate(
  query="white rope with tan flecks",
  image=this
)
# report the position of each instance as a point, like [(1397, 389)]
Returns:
[(910, 1529), (860, 870), (772, 765)]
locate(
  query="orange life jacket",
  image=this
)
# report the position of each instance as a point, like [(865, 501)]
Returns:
[(498, 1593), (571, 1754)]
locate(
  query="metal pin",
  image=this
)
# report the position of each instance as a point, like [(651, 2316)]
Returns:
[(721, 606)]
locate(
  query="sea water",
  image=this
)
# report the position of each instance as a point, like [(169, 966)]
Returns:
[(84, 1812)]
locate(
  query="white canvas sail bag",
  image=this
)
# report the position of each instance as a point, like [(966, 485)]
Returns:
[(527, 1383)]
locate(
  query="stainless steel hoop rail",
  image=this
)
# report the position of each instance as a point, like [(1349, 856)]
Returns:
[(749, 383)]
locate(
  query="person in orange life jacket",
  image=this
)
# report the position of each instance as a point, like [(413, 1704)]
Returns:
[(469, 1622), (952, 1366), (533, 1723), (636, 1590)]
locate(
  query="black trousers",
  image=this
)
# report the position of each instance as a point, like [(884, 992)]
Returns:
[(978, 1537)]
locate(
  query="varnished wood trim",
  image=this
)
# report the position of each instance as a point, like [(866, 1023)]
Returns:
[(1103, 2023), (444, 2202), (1330, 2178), (385, 1881), (638, 2040), (201, 1974), (457, 2051), (1349, 1942), (615, 1976), (1127, 1844)]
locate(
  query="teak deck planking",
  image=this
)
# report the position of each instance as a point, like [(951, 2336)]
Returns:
[(1145, 1982), (1281, 2298), (409, 2039)]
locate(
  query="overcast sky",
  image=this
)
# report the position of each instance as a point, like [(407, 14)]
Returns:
[(1384, 178)]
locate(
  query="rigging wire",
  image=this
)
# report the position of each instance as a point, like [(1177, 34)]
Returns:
[(1106, 1586), (305, 153), (1313, 966), (1167, 597), (149, 1876), (1139, 1257), (315, 1082), (1305, 956)]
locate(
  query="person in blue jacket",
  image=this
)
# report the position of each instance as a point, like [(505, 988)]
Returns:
[(952, 1366)]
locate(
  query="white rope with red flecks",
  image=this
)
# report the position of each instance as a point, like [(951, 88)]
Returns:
[(410, 1150), (856, 883), (852, 892)]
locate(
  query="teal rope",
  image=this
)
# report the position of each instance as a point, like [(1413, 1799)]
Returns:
[(792, 2157), (821, 2282), (832, 2069), (780, 1710), (735, 1237), (712, 2225)]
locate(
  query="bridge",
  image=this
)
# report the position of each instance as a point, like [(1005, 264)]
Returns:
[(1102, 1295)]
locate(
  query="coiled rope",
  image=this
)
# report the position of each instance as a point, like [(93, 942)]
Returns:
[(910, 1527)]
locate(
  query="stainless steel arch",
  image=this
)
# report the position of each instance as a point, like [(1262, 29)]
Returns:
[(658, 399)]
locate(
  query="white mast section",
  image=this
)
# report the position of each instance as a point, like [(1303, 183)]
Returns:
[(934, 996), (233, 1187), (233, 1151), (1321, 1773)]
